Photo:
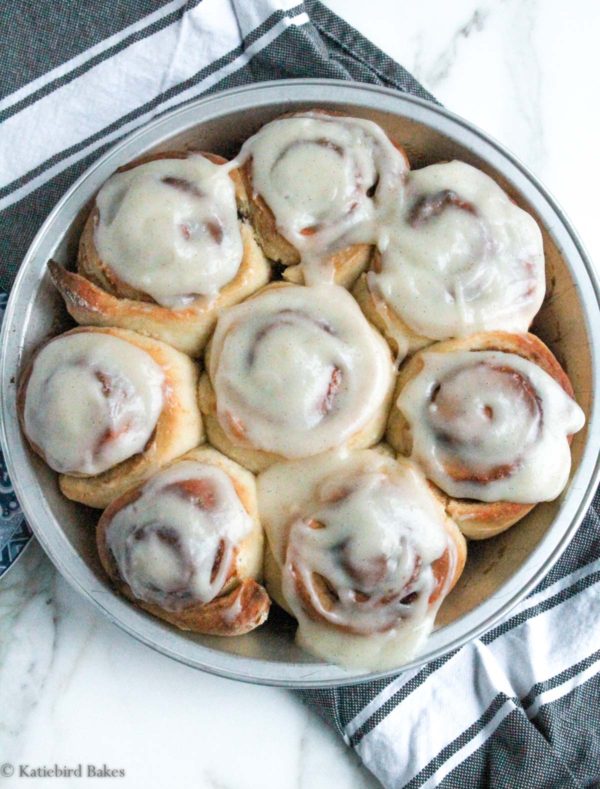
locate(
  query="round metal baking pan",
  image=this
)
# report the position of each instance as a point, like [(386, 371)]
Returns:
[(502, 570)]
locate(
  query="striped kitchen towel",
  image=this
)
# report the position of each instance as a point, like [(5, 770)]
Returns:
[(520, 706)]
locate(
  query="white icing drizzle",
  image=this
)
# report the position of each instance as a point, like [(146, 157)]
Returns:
[(460, 257), (174, 544), (327, 180), (368, 528), (297, 370), (490, 426), (169, 228), (92, 401)]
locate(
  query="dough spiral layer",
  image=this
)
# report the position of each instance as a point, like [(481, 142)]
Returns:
[(187, 545), (163, 250), (319, 184), (106, 408), (489, 419), (293, 372), (362, 554), (460, 257)]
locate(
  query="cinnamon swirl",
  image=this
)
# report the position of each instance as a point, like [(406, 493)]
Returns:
[(460, 257), (163, 250), (318, 184), (489, 418), (362, 554), (292, 372), (187, 546), (106, 408)]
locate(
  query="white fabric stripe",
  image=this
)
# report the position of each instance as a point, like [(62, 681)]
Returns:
[(555, 588), (481, 737), (88, 54), (471, 746), (472, 676), (538, 650), (548, 696), (180, 98), (532, 652), (530, 602), (251, 15), (117, 86), (378, 701)]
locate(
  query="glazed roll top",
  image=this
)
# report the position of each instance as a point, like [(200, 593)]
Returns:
[(461, 256), (91, 402), (174, 544), (351, 565), (491, 426), (365, 553), (297, 370), (326, 179), (169, 228)]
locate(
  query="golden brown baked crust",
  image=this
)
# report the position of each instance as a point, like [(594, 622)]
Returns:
[(347, 263), (477, 520), (242, 604), (179, 427), (381, 315), (257, 460), (273, 580), (460, 543), (95, 296)]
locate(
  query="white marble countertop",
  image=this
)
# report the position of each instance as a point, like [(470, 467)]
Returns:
[(73, 688)]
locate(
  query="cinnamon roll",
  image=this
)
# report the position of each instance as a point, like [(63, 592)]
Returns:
[(187, 546), (292, 372), (489, 418), (362, 555), (460, 257), (318, 184), (106, 408), (163, 250)]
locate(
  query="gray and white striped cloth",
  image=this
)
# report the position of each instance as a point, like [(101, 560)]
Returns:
[(520, 706)]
